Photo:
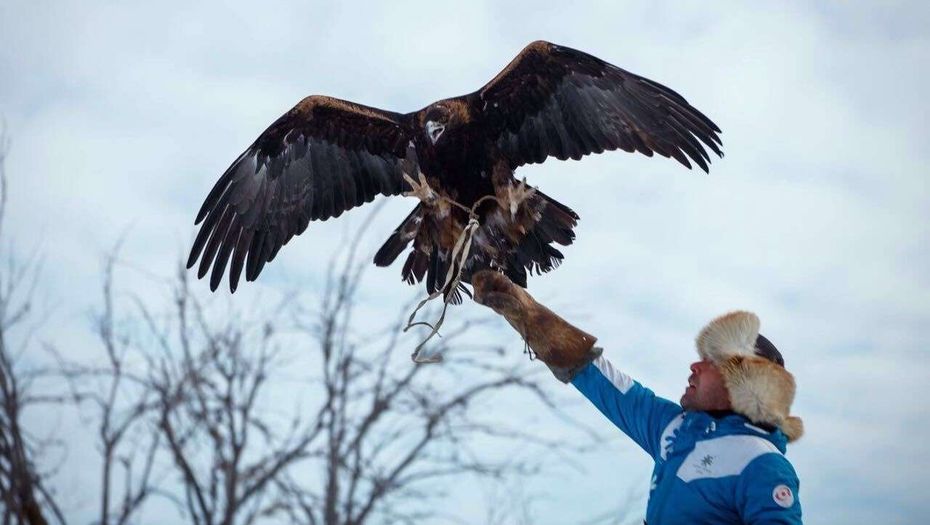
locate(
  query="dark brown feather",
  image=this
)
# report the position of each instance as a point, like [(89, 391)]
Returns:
[(320, 159), (591, 106)]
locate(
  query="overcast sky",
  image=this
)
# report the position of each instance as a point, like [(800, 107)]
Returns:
[(122, 115)]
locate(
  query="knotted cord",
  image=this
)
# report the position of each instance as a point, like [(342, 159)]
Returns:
[(453, 277)]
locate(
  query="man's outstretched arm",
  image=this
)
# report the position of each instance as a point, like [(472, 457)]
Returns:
[(633, 408), (571, 355)]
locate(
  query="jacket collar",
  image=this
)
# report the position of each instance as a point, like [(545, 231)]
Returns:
[(716, 423)]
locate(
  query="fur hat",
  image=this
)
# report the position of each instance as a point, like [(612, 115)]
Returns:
[(753, 371)]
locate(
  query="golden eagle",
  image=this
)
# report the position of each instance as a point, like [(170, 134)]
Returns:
[(326, 156)]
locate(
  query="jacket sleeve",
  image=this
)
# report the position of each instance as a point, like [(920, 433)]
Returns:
[(633, 408), (767, 492)]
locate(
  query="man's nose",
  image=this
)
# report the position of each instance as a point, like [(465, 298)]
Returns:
[(694, 366)]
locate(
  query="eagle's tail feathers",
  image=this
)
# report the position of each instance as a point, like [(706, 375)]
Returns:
[(556, 223), (561, 207), (516, 271), (536, 252), (400, 239), (415, 267), (436, 268)]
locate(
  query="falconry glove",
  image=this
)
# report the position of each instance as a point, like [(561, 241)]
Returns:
[(564, 348)]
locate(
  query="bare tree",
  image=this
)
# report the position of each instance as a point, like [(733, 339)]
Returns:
[(225, 448), (187, 404), (381, 435), (118, 403), (391, 433), (309, 410), (23, 491)]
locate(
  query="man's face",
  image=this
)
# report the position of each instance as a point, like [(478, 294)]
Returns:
[(706, 390)]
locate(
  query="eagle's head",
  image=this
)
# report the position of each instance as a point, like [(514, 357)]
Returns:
[(443, 116)]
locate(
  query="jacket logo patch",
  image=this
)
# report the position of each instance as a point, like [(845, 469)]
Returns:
[(705, 466), (783, 496)]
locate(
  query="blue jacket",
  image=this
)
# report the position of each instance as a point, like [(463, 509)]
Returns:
[(707, 469)]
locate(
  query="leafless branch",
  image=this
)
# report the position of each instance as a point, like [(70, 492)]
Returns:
[(23, 491), (121, 407)]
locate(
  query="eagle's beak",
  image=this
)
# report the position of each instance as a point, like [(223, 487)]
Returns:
[(434, 130)]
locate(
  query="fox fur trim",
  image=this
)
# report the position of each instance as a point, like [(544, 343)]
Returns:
[(759, 389), (730, 334), (762, 391)]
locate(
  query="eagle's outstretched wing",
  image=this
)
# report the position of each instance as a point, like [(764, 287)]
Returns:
[(321, 158), (556, 101)]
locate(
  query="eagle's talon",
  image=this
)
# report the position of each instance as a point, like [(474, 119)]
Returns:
[(421, 190), (516, 195)]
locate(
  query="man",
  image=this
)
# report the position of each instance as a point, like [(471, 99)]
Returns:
[(719, 455)]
